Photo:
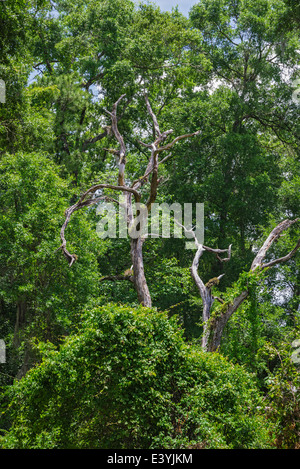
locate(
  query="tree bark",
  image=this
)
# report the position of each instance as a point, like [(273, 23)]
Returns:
[(205, 291), (214, 333), (89, 197), (213, 327), (139, 278), (20, 320)]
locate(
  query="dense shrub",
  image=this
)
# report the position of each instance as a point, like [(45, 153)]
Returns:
[(283, 398), (128, 379)]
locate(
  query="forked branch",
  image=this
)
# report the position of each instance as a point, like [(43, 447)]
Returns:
[(274, 236), (91, 197), (87, 199), (213, 330), (205, 290), (219, 323)]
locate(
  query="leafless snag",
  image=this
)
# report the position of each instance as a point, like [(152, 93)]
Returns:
[(213, 330), (90, 197), (205, 290)]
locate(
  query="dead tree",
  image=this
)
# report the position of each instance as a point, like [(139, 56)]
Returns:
[(131, 192), (213, 329)]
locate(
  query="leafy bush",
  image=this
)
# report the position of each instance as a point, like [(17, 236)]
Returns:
[(127, 379), (283, 397)]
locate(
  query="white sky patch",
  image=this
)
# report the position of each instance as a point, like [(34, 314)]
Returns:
[(184, 6)]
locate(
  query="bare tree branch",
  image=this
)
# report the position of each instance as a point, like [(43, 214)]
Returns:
[(154, 118), (212, 332), (273, 236), (83, 202), (89, 197), (165, 158), (190, 231), (194, 271), (93, 189), (217, 326), (90, 141), (205, 290), (114, 126), (282, 259), (154, 180), (180, 137), (220, 251)]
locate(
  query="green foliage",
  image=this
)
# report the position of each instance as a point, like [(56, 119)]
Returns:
[(127, 379), (37, 289), (243, 164), (283, 395), (14, 22), (91, 53), (229, 71)]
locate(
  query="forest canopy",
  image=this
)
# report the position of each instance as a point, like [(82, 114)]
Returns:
[(183, 336)]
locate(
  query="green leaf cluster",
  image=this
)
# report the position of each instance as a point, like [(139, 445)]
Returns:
[(127, 379), (124, 376)]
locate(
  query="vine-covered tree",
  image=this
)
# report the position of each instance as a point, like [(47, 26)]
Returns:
[(114, 102)]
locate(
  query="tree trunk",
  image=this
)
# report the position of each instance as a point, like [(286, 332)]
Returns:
[(214, 332), (205, 316), (138, 272), (90, 197)]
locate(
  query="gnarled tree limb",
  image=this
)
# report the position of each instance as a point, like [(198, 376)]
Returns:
[(85, 202), (274, 236), (90, 197), (217, 327), (205, 290), (213, 330)]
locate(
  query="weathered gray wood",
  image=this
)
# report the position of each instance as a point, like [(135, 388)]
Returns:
[(213, 329), (139, 278), (88, 198)]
